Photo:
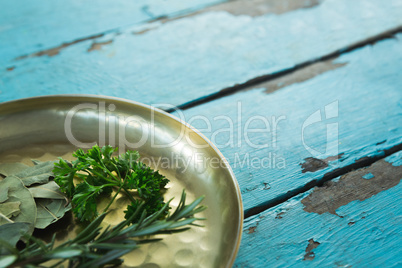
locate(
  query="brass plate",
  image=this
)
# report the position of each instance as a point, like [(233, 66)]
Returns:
[(47, 127)]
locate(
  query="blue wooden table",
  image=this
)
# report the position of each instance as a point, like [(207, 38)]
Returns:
[(304, 99)]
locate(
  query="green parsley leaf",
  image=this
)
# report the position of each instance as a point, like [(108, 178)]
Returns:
[(97, 173)]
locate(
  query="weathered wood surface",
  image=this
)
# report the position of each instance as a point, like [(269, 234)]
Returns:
[(189, 58), (317, 121), (30, 26), (365, 231), (358, 97), (261, 7)]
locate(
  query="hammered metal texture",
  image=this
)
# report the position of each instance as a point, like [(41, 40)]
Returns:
[(35, 129)]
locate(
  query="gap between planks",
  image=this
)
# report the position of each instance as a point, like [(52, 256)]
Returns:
[(55, 50), (265, 78), (361, 163), (236, 7), (255, 82)]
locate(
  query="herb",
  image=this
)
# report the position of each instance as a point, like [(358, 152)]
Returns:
[(7, 169), (29, 195), (96, 173), (37, 196), (38, 174), (19, 205), (12, 232), (96, 247)]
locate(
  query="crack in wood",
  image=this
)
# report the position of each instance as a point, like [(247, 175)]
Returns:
[(361, 163), (56, 50), (300, 75), (257, 82)]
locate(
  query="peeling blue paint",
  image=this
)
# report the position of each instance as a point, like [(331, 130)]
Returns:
[(192, 57), (367, 234), (368, 92), (29, 26), (368, 176), (395, 159)]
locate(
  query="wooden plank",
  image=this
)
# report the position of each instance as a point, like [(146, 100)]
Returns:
[(29, 26), (363, 230), (280, 139), (259, 7), (189, 58)]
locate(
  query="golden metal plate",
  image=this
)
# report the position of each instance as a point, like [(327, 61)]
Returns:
[(48, 127)]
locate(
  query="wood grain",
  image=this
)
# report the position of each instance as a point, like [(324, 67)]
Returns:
[(30, 26), (364, 233), (270, 143), (193, 57)]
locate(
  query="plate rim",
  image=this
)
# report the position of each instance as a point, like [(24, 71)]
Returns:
[(164, 113)]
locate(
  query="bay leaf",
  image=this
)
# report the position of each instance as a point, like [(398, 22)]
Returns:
[(10, 209), (3, 194), (4, 219), (39, 173), (48, 190), (7, 169), (12, 232), (50, 211), (17, 192), (50, 203), (36, 162)]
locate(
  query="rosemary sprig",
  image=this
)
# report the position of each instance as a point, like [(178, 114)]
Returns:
[(96, 246)]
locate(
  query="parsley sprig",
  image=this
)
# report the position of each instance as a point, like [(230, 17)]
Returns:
[(95, 173), (96, 246)]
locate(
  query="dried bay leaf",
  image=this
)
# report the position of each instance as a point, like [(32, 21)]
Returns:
[(50, 211), (36, 162), (10, 209), (3, 194), (4, 219), (17, 192), (12, 232), (49, 190), (39, 173), (28, 195), (50, 203), (7, 169)]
